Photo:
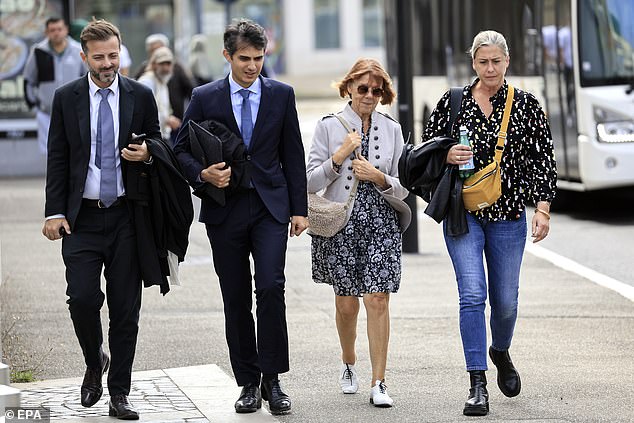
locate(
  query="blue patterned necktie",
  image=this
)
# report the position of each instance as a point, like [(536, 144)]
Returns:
[(246, 124), (104, 154)]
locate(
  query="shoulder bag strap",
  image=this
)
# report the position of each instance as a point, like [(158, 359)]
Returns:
[(499, 147), (353, 192), (455, 101)]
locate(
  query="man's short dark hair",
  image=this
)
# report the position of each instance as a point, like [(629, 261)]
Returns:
[(244, 31), (54, 19), (98, 30)]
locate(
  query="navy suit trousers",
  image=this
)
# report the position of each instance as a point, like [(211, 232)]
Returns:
[(250, 230)]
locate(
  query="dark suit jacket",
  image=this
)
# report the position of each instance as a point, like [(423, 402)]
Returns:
[(69, 140), (275, 157)]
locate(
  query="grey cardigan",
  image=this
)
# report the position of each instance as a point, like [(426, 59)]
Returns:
[(386, 144)]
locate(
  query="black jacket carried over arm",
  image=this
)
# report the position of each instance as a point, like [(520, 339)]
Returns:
[(424, 172), (162, 208)]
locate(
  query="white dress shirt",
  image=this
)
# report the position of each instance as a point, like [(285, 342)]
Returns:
[(93, 178), (237, 99)]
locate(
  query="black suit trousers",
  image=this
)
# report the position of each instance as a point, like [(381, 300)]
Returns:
[(104, 239), (248, 230)]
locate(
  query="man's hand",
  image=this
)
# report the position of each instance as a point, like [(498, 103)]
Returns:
[(216, 175), (173, 122), (298, 225), (136, 152), (52, 227)]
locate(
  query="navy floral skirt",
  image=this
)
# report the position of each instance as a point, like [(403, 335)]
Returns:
[(365, 256)]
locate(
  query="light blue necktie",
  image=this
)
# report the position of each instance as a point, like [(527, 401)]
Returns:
[(246, 124), (104, 154)]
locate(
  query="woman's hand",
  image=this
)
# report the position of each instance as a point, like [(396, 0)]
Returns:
[(351, 142), (541, 221), (364, 170), (459, 154)]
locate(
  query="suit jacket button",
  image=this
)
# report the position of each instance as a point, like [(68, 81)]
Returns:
[(376, 166), (377, 157), (376, 138), (349, 167), (349, 178), (376, 128), (376, 147), (248, 157), (347, 187)]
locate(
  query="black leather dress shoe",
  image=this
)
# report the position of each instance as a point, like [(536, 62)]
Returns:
[(120, 407), (91, 388), (250, 399), (279, 402), (478, 402), (508, 379)]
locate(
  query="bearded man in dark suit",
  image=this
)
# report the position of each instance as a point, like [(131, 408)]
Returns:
[(254, 221), (90, 156)]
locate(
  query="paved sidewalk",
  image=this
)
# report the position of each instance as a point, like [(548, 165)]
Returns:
[(193, 394)]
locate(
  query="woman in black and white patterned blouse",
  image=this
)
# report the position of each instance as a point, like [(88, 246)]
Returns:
[(499, 231)]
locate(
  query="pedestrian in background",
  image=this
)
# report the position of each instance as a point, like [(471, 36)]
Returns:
[(86, 202), (364, 258), (499, 231), (254, 222), (200, 64), (156, 77), (179, 86), (52, 63)]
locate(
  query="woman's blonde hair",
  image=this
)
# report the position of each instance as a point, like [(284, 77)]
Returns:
[(374, 68), (488, 38)]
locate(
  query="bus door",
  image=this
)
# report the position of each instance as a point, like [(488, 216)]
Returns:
[(559, 84)]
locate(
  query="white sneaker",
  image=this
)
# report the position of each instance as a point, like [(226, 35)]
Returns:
[(348, 379), (379, 396)]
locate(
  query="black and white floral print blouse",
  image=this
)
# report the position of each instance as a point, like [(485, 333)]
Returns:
[(528, 163)]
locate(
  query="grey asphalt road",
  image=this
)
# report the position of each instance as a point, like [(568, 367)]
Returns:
[(574, 341)]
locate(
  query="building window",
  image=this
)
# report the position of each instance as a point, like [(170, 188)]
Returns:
[(327, 24), (373, 23)]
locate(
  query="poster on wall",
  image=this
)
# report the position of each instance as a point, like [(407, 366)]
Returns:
[(21, 25)]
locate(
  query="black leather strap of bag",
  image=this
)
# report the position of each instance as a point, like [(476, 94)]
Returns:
[(455, 100), (353, 192)]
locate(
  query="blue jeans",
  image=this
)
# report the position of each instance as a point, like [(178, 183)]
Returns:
[(502, 243)]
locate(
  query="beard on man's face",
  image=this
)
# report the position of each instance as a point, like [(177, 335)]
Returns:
[(105, 75)]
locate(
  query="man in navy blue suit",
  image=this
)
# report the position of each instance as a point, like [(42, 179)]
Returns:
[(254, 221)]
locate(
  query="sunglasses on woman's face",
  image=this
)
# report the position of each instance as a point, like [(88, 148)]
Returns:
[(376, 92)]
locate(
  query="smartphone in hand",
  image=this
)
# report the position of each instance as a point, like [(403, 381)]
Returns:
[(137, 139)]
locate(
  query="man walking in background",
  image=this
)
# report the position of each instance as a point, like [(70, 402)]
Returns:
[(156, 77), (52, 63)]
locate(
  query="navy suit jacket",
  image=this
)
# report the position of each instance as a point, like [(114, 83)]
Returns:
[(275, 157), (69, 140)]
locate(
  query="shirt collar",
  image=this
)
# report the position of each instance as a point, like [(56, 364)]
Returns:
[(235, 87), (92, 87), (500, 94)]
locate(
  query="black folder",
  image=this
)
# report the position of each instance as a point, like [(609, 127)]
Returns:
[(207, 149)]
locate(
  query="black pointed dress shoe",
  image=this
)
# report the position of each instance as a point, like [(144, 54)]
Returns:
[(508, 378), (250, 399), (279, 402), (120, 407), (478, 402), (91, 388)]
